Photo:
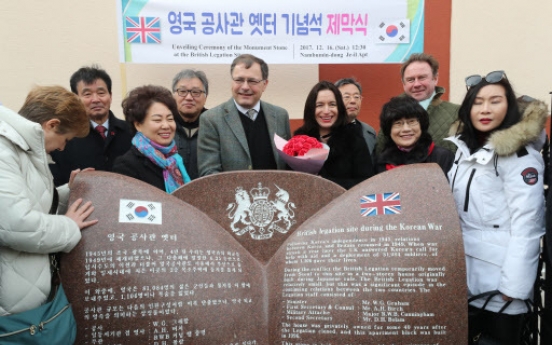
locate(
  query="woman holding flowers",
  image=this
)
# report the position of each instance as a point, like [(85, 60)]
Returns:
[(325, 118)]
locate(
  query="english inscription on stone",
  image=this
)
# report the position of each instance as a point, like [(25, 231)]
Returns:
[(380, 264)]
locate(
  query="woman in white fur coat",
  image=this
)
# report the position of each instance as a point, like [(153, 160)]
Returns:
[(50, 117), (497, 182)]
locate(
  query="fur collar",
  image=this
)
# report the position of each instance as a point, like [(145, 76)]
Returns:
[(508, 141)]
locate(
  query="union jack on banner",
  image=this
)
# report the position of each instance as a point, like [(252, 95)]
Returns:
[(143, 30), (383, 203)]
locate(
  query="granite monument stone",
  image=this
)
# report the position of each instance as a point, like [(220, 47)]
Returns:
[(382, 263)]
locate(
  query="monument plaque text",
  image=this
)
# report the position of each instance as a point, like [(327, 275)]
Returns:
[(380, 264)]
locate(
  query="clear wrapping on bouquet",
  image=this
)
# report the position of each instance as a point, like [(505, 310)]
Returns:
[(310, 162)]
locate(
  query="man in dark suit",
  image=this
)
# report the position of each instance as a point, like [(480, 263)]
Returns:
[(352, 97), (109, 137), (239, 134)]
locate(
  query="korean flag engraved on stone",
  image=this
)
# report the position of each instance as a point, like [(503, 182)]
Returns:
[(139, 211), (257, 217)]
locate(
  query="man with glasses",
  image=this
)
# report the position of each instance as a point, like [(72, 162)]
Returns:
[(419, 76), (352, 97), (239, 134), (190, 90), (109, 137)]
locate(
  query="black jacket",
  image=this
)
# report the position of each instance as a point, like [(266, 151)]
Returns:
[(135, 164), (419, 154), (92, 151), (349, 160), (186, 141)]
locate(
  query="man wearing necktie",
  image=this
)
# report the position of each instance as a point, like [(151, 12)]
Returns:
[(239, 134), (109, 137), (102, 130)]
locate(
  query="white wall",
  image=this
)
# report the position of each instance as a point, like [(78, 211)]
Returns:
[(514, 36), (44, 42)]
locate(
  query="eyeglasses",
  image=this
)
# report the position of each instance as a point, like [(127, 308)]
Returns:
[(252, 82), (410, 123), (347, 98), (194, 93), (492, 77)]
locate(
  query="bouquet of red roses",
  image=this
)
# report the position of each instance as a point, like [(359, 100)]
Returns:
[(301, 144), (302, 153)]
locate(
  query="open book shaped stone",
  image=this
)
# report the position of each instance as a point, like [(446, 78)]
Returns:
[(383, 263)]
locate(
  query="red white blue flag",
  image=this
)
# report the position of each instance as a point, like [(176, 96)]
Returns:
[(143, 29), (378, 204)]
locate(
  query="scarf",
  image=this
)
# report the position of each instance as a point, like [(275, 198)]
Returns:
[(165, 157), (390, 166)]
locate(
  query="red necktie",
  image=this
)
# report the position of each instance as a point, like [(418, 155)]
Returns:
[(101, 129)]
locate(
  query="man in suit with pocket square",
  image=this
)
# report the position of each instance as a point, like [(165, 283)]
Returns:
[(239, 134)]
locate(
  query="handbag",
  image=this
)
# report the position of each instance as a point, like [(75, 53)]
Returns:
[(479, 336), (52, 323)]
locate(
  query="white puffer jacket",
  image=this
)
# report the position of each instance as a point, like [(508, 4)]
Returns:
[(499, 196), (27, 232)]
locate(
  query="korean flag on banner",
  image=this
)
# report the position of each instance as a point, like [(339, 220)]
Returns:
[(137, 211), (394, 31)]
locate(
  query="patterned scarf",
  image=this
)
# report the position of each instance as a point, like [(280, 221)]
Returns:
[(165, 157)]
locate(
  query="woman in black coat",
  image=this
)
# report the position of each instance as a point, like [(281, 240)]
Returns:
[(404, 124), (153, 156), (325, 118)]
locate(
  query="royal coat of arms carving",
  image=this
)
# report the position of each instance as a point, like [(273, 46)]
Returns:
[(262, 216)]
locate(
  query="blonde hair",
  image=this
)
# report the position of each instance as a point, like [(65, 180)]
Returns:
[(45, 103)]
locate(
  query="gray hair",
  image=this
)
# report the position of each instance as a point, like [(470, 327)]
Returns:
[(347, 81), (190, 74)]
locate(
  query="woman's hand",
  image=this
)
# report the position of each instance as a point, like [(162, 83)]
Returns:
[(79, 212), (75, 172)]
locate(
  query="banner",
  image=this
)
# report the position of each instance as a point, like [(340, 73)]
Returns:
[(285, 32)]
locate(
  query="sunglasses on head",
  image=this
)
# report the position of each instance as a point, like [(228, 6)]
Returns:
[(491, 77)]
